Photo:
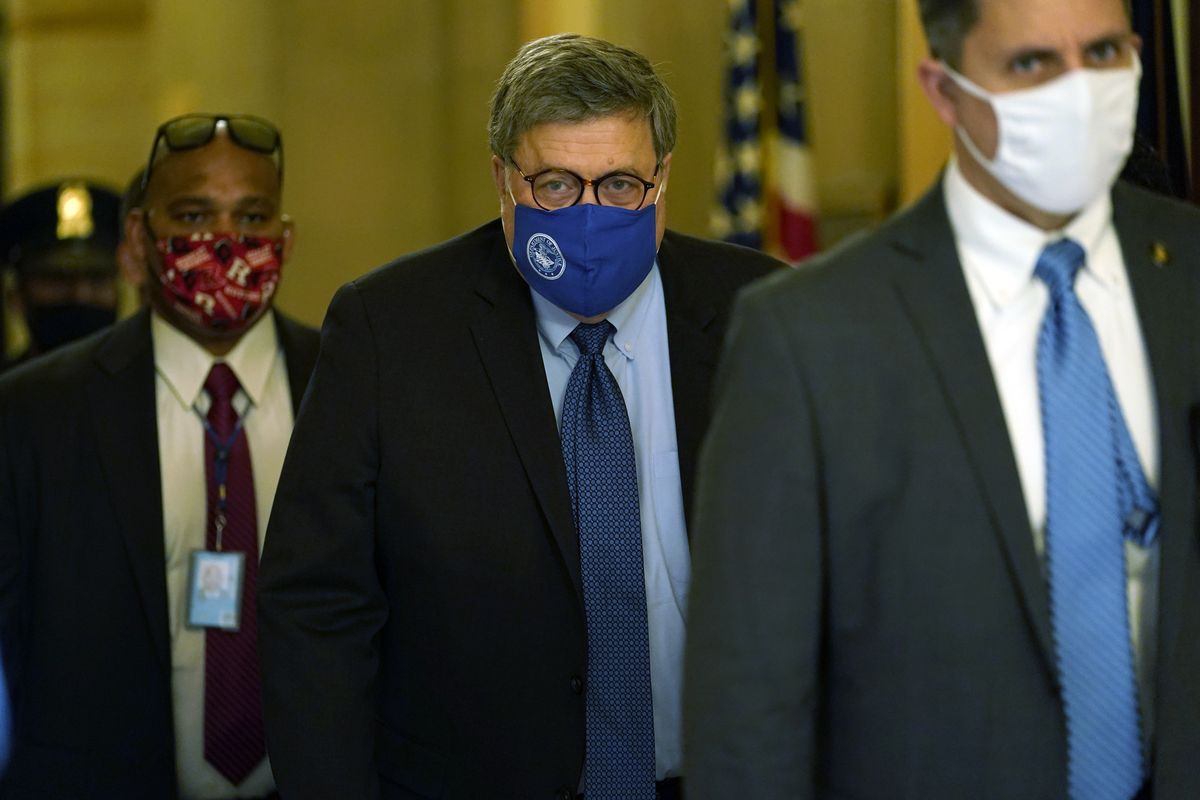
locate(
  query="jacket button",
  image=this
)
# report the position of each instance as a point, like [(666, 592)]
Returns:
[(576, 684), (565, 793)]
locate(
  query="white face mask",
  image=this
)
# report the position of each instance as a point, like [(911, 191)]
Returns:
[(1062, 143)]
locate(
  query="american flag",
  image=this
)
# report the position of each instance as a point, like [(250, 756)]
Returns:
[(765, 189)]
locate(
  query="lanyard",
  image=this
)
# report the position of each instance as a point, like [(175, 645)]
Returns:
[(220, 469)]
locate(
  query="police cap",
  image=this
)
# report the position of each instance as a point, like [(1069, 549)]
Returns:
[(69, 227)]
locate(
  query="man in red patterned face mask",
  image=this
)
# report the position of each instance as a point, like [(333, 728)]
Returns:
[(210, 233), (137, 471)]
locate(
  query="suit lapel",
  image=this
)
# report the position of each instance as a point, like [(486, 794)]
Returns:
[(299, 354), (934, 294), (1163, 296), (694, 345), (505, 333), (121, 397)]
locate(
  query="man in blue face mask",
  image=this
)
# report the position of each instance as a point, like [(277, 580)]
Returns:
[(946, 523), (477, 570)]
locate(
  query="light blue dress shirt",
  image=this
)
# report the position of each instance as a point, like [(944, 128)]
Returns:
[(638, 358)]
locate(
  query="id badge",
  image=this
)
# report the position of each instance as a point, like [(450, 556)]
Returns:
[(215, 590)]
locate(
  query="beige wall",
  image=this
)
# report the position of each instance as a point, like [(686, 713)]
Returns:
[(851, 81), (384, 104), (377, 161), (76, 84), (384, 113)]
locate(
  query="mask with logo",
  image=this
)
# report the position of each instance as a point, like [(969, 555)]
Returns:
[(220, 280), (1063, 143), (586, 258)]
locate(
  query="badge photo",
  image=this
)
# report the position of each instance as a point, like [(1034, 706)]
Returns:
[(215, 590)]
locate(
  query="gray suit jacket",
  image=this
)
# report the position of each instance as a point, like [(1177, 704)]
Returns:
[(869, 617)]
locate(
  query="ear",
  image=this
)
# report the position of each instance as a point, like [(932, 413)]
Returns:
[(289, 237), (940, 89), (500, 177), (664, 173), (133, 251), (660, 202)]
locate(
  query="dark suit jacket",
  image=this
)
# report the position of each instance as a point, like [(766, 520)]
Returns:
[(420, 607), (868, 614), (83, 593)]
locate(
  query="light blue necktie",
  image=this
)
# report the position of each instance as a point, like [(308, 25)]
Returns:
[(602, 476), (1095, 490)]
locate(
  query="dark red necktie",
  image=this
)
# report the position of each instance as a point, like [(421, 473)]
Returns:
[(233, 727)]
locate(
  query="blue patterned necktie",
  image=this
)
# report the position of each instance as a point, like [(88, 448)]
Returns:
[(602, 476), (1091, 490)]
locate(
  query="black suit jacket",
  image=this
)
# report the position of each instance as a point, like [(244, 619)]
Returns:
[(420, 607), (869, 617), (83, 593)]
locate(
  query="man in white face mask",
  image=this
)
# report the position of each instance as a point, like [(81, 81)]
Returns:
[(946, 525), (1042, 130)]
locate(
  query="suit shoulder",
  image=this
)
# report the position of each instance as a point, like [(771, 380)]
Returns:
[(859, 265), (430, 291), (853, 266), (296, 331), (731, 263), (442, 264), (1147, 222), (301, 344), (1167, 210), (59, 374)]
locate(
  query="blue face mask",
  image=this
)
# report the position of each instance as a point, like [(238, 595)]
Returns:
[(587, 258)]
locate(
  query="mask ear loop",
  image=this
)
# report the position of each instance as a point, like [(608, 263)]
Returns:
[(978, 92), (508, 183), (508, 186)]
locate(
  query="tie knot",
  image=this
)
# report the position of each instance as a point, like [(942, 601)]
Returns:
[(221, 384), (1058, 265), (590, 337)]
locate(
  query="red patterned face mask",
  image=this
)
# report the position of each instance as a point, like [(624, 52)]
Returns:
[(220, 280)]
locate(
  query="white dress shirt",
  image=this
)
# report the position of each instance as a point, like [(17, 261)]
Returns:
[(264, 402), (999, 252), (638, 358)]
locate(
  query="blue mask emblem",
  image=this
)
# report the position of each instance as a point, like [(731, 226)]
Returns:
[(586, 259)]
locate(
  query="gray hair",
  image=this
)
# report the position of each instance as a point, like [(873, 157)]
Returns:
[(573, 78), (947, 23)]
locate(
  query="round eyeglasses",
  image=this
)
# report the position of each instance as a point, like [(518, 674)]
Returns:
[(560, 188)]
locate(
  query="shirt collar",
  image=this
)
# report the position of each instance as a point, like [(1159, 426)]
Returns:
[(185, 365), (1001, 250), (629, 318)]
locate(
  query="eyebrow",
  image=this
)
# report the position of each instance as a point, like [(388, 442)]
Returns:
[(190, 200), (1115, 37), (626, 170), (1041, 52), (207, 202)]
